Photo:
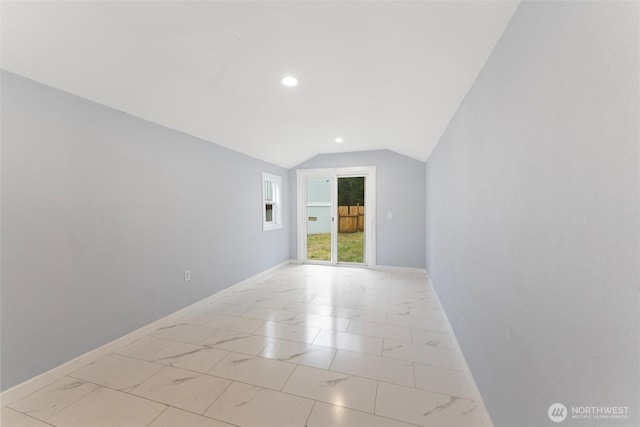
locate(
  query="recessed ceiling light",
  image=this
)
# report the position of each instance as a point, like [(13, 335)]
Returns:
[(289, 81), (339, 140)]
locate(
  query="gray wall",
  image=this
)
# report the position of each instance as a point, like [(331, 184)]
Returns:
[(400, 190), (533, 214), (102, 213)]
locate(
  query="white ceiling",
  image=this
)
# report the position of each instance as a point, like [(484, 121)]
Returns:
[(382, 75)]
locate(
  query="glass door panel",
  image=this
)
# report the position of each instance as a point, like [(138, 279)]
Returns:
[(351, 214), (319, 218)]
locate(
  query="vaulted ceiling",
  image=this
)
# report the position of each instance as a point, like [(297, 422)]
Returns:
[(380, 75)]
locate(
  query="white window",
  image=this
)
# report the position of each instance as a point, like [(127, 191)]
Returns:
[(271, 202)]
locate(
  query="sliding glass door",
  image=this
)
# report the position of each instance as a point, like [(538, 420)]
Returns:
[(335, 215), (320, 218), (351, 218)]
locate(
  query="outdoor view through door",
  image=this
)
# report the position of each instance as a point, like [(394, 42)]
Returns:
[(347, 221), (319, 218), (351, 213)]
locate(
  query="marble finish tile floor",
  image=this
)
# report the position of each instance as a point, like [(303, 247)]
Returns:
[(304, 345)]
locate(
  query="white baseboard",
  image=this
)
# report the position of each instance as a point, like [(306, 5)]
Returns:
[(358, 265), (21, 390), (395, 268), (486, 418)]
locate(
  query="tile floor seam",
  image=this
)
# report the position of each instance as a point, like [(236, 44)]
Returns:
[(375, 400), (256, 385), (422, 363), (367, 378), (316, 335), (322, 401), (201, 343), (66, 406), (41, 388), (216, 399), (193, 371), (220, 360), (121, 355), (170, 365), (300, 398), (219, 329), (333, 359), (254, 331), (289, 377), (184, 409), (27, 415), (370, 413), (428, 391), (164, 403), (375, 336), (121, 391), (178, 341), (366, 354), (306, 422), (118, 391), (264, 348), (438, 366), (112, 388), (413, 368), (159, 415)]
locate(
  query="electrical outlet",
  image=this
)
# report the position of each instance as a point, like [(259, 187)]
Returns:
[(187, 275)]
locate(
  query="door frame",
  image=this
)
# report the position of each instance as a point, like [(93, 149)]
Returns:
[(369, 172)]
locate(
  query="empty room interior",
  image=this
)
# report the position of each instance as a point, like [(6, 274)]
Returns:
[(322, 213)]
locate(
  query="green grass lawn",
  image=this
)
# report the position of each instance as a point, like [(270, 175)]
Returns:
[(350, 247)]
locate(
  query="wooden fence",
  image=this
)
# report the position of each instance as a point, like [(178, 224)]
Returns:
[(350, 219)]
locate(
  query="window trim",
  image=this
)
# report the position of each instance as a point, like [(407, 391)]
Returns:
[(276, 203)]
